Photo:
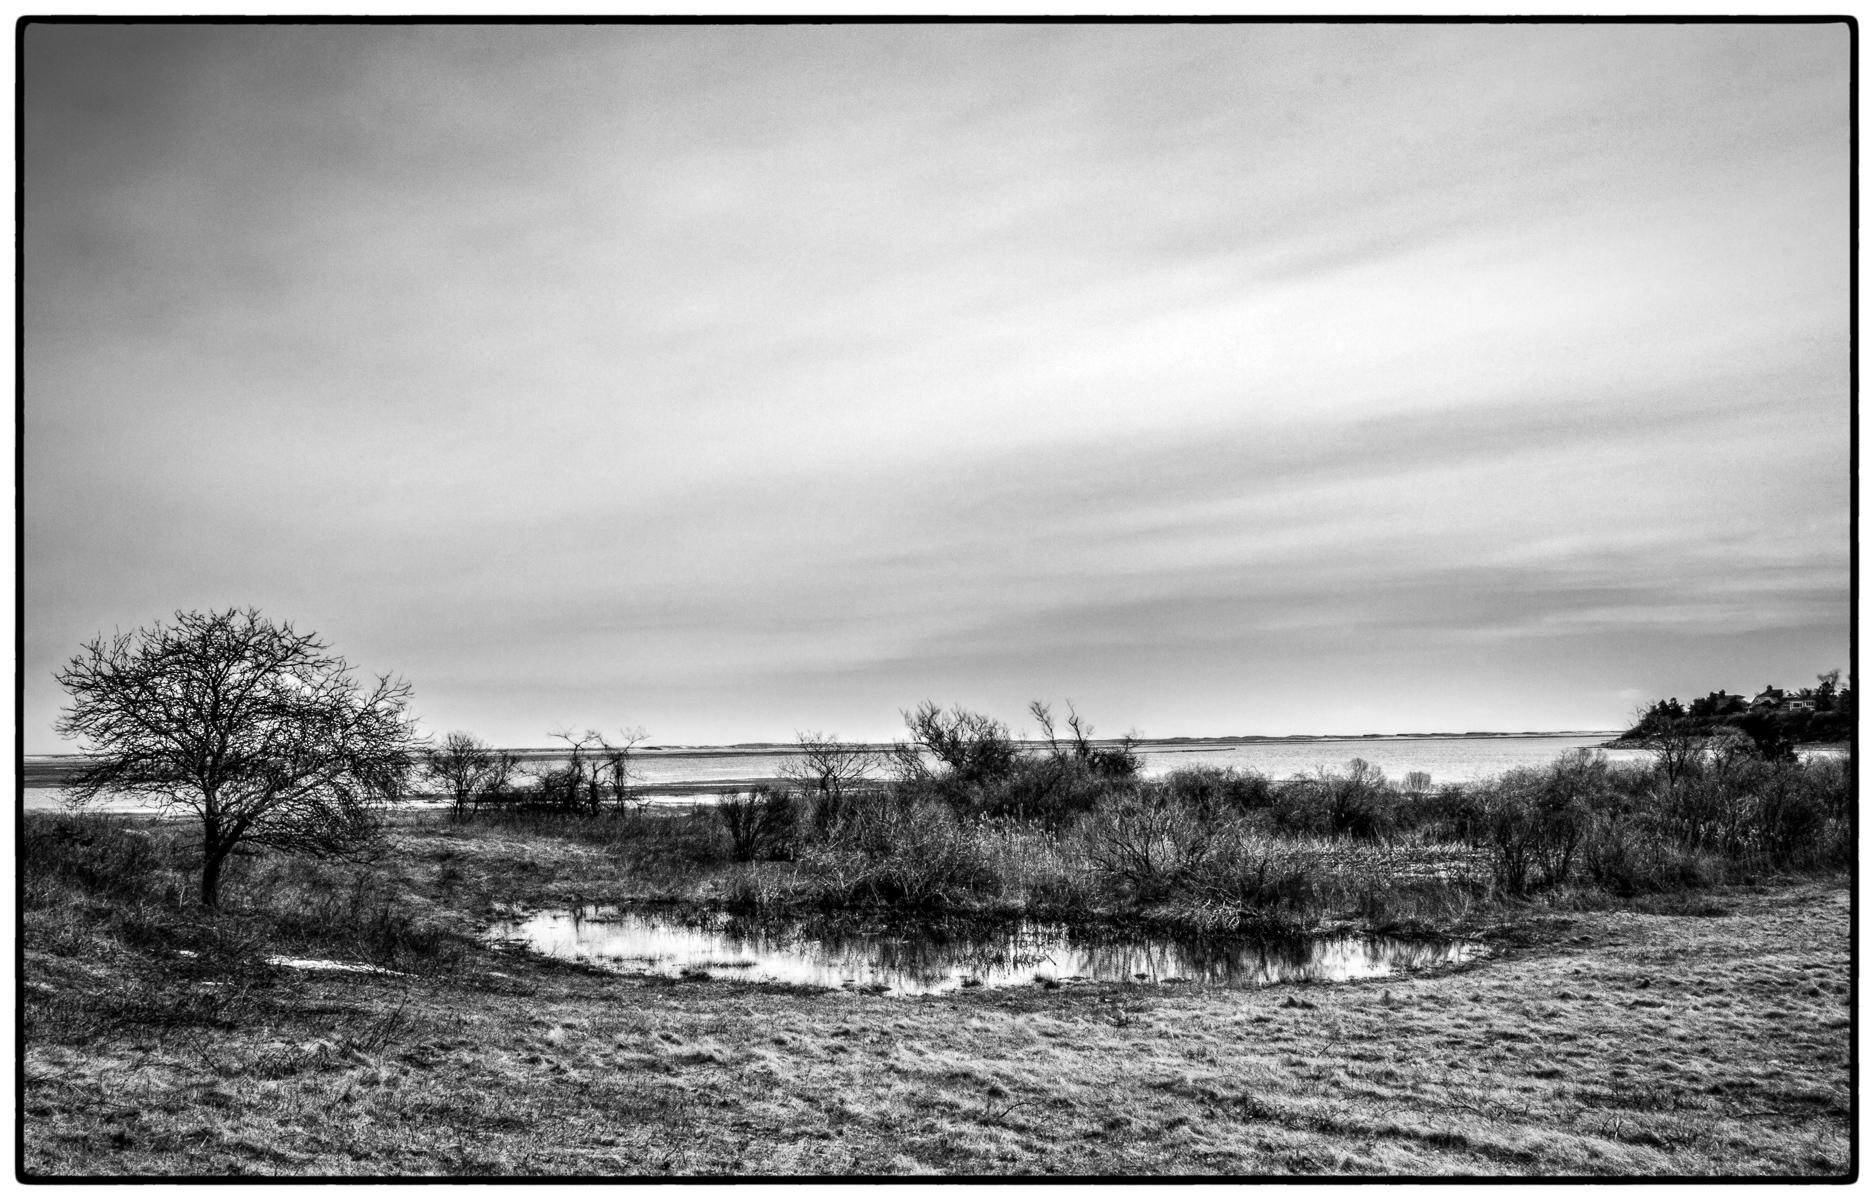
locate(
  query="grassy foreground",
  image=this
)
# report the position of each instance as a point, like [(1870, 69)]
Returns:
[(1709, 1035)]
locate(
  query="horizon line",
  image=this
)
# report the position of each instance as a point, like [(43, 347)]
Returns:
[(1181, 738)]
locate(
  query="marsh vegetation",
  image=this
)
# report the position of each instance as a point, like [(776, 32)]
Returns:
[(959, 819)]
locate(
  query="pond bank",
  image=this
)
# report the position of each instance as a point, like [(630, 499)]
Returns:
[(1621, 1043)]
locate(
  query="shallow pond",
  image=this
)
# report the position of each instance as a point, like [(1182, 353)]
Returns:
[(916, 960)]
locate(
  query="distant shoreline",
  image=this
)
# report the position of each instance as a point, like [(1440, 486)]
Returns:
[(1639, 743), (743, 749)]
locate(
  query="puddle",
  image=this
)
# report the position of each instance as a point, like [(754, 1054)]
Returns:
[(318, 964), (914, 961)]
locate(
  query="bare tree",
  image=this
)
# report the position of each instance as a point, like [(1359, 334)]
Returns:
[(251, 726), (825, 769), (613, 768), (497, 786), (596, 771), (827, 766), (574, 787), (470, 770), (1043, 713)]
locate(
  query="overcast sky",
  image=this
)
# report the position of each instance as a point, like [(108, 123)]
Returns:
[(737, 381)]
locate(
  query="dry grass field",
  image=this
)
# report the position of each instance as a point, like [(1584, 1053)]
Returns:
[(1710, 1036)]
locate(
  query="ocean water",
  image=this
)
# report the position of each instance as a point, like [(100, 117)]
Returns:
[(688, 774), (1445, 759)]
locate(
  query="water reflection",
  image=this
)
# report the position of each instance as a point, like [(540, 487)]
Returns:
[(916, 960)]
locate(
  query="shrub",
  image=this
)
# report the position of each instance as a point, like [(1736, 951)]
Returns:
[(970, 762), (1709, 812), (969, 746), (1044, 790), (1533, 824), (1356, 804), (1118, 762), (1629, 857), (761, 823), (906, 849), (1455, 813), (1251, 871), (1113, 762), (1357, 801), (1219, 789), (1150, 844), (1792, 822), (1833, 781)]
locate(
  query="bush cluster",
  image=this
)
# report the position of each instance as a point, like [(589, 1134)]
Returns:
[(962, 817), (1055, 826)]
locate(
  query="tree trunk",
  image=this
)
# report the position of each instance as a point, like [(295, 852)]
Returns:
[(211, 875)]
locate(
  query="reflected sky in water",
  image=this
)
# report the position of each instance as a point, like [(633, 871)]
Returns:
[(918, 961)]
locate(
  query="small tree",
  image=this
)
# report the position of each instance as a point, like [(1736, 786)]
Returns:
[(826, 765), (469, 769), (825, 769), (596, 771), (1676, 741), (253, 727), (613, 766), (575, 786)]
